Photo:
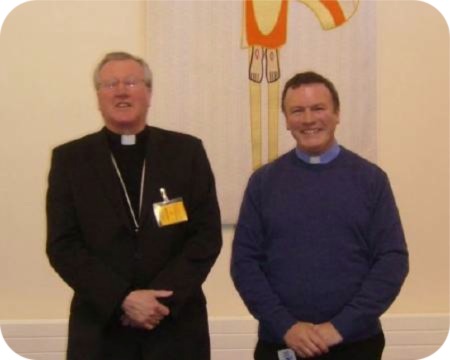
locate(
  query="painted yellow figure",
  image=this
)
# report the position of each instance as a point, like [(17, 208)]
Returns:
[(265, 33), (265, 25)]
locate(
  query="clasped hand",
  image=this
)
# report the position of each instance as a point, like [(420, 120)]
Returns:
[(309, 340), (143, 310)]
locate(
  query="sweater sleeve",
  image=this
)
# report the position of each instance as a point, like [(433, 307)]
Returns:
[(247, 267), (389, 266)]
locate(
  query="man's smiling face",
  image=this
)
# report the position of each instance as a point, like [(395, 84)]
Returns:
[(311, 117), (123, 97)]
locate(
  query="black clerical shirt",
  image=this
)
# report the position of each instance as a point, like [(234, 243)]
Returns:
[(130, 160)]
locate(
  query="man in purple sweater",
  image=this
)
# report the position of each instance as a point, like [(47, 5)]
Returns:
[(319, 252)]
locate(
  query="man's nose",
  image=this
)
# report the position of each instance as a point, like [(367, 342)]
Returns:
[(308, 117), (121, 89)]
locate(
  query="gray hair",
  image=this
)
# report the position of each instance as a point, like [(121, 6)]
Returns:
[(121, 55)]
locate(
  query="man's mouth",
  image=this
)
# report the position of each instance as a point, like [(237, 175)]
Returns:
[(123, 104), (310, 131)]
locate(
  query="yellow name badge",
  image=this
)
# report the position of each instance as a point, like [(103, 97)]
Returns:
[(169, 212)]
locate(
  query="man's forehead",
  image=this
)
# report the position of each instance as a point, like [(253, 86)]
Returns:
[(120, 65), (317, 90)]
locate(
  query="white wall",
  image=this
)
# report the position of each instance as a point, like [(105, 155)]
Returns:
[(47, 52)]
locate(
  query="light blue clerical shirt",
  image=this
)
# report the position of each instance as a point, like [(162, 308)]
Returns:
[(324, 158)]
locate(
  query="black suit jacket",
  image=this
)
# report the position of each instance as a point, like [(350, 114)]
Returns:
[(93, 247)]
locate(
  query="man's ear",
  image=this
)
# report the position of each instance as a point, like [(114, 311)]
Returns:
[(150, 93), (285, 121)]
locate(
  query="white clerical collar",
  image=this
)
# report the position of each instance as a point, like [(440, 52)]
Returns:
[(128, 139), (324, 158)]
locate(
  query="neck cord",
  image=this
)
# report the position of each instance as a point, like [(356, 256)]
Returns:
[(127, 197)]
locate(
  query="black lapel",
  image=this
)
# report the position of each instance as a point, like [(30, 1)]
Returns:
[(103, 167), (154, 175)]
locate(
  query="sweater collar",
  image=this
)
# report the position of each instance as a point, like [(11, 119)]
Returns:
[(324, 158)]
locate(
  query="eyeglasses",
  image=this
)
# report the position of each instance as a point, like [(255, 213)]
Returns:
[(113, 84)]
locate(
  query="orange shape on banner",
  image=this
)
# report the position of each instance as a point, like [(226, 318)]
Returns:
[(255, 36)]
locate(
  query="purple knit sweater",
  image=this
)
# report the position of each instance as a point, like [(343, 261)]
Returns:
[(319, 243)]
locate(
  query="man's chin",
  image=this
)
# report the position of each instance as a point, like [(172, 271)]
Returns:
[(311, 148), (124, 122)]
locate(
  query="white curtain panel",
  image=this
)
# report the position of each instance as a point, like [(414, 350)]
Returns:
[(201, 84)]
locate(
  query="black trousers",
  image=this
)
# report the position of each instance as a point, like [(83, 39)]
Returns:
[(369, 349)]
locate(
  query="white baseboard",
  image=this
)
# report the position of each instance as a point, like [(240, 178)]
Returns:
[(408, 337)]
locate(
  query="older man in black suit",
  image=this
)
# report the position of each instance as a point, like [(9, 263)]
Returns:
[(133, 228)]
